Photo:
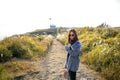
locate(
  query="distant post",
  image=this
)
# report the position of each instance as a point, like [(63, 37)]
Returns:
[(50, 20)]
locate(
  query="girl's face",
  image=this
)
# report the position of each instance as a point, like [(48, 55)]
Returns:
[(72, 36)]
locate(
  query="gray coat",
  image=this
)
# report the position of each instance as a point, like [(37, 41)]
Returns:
[(72, 62)]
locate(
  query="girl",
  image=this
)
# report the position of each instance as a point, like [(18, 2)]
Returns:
[(73, 52)]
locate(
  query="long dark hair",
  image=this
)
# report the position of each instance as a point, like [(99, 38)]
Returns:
[(75, 33)]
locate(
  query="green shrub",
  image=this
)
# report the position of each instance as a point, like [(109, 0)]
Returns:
[(17, 49), (7, 55), (108, 32)]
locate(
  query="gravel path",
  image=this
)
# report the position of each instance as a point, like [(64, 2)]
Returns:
[(52, 67)]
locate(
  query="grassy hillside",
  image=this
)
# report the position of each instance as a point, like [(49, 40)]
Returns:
[(53, 32), (21, 47), (44, 31), (100, 50)]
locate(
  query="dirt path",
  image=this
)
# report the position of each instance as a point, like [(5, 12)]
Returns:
[(52, 67)]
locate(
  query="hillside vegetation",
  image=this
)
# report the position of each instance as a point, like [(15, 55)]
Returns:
[(44, 31), (100, 50), (24, 47)]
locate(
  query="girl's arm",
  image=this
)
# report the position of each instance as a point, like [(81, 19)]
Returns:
[(75, 49)]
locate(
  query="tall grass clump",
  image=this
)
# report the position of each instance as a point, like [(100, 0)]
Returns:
[(4, 75)]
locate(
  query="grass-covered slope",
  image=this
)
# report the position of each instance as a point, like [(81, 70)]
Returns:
[(24, 47)]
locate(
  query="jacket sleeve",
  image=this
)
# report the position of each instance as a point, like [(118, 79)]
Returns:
[(75, 49)]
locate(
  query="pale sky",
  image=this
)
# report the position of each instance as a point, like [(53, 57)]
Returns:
[(20, 16)]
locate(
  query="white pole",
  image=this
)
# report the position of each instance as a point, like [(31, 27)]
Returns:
[(50, 20)]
